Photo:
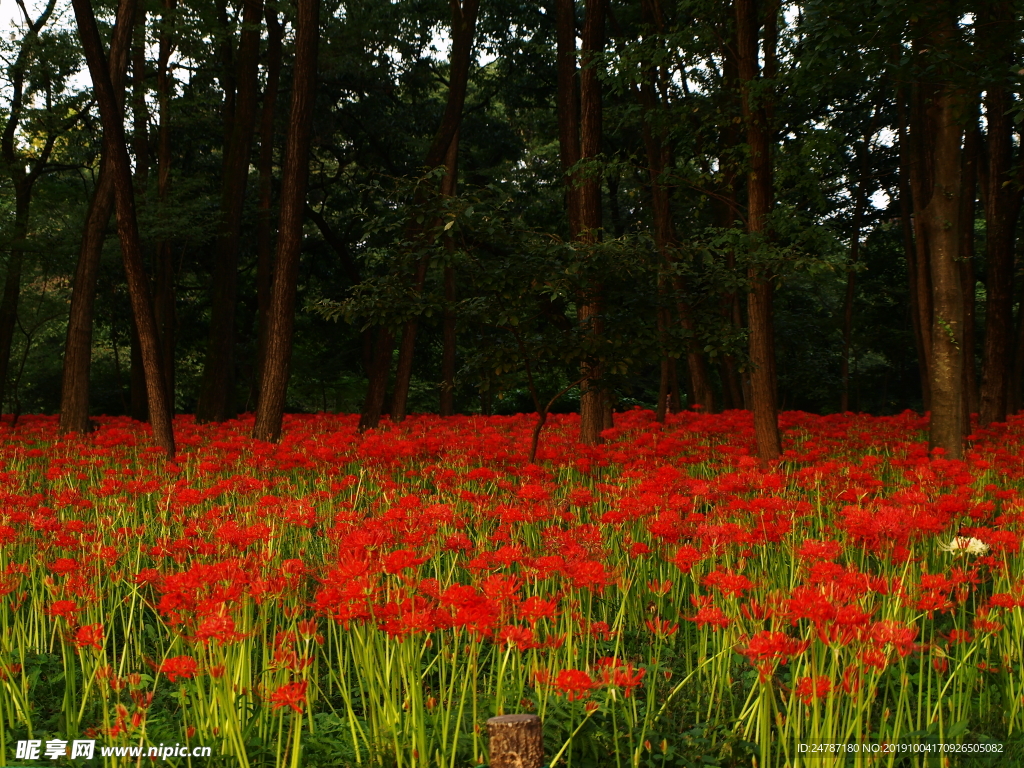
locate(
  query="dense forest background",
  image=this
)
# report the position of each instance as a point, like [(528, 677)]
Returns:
[(757, 204)]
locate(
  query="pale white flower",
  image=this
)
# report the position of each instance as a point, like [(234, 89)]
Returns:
[(970, 545)]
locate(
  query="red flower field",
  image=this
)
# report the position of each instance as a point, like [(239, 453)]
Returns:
[(343, 599)]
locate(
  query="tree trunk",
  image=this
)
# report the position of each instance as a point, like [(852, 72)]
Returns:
[(281, 312), (264, 218), (760, 200), (917, 259), (163, 284), (464, 15), (127, 226), (968, 199), (74, 399), (935, 139), (859, 201), (12, 281), (448, 337), (216, 397), (659, 158), (1002, 201)]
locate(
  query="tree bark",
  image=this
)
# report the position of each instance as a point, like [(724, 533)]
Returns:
[(216, 397), (127, 226), (281, 312), (936, 178), (968, 199), (760, 201), (264, 218), (74, 403)]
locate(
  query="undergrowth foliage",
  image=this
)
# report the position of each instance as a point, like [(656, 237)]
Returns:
[(370, 600)]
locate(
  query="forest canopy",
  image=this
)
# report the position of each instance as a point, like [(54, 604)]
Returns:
[(220, 207)]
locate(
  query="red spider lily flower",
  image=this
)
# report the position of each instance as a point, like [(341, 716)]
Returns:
[(728, 583), (958, 636), (810, 689), (812, 550), (624, 676), (219, 628), (521, 637), (660, 587), (402, 559), (290, 695), (895, 634), (765, 649), (90, 636), (661, 627), (574, 684), (65, 609), (686, 557), (179, 667), (710, 616), (535, 608)]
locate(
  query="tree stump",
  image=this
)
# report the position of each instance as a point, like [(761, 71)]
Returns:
[(516, 741)]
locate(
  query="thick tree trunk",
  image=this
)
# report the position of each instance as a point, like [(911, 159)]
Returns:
[(935, 143), (216, 397), (941, 229), (592, 410), (281, 313), (760, 200), (74, 403), (127, 226), (264, 217)]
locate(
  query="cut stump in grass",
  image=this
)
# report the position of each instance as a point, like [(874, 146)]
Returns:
[(516, 741)]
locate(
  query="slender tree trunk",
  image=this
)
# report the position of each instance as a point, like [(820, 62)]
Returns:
[(760, 201), (918, 274), (281, 313), (264, 217), (592, 411), (127, 226), (1002, 202), (659, 158), (464, 15), (163, 284), (74, 404), (859, 201), (448, 335), (216, 397)]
